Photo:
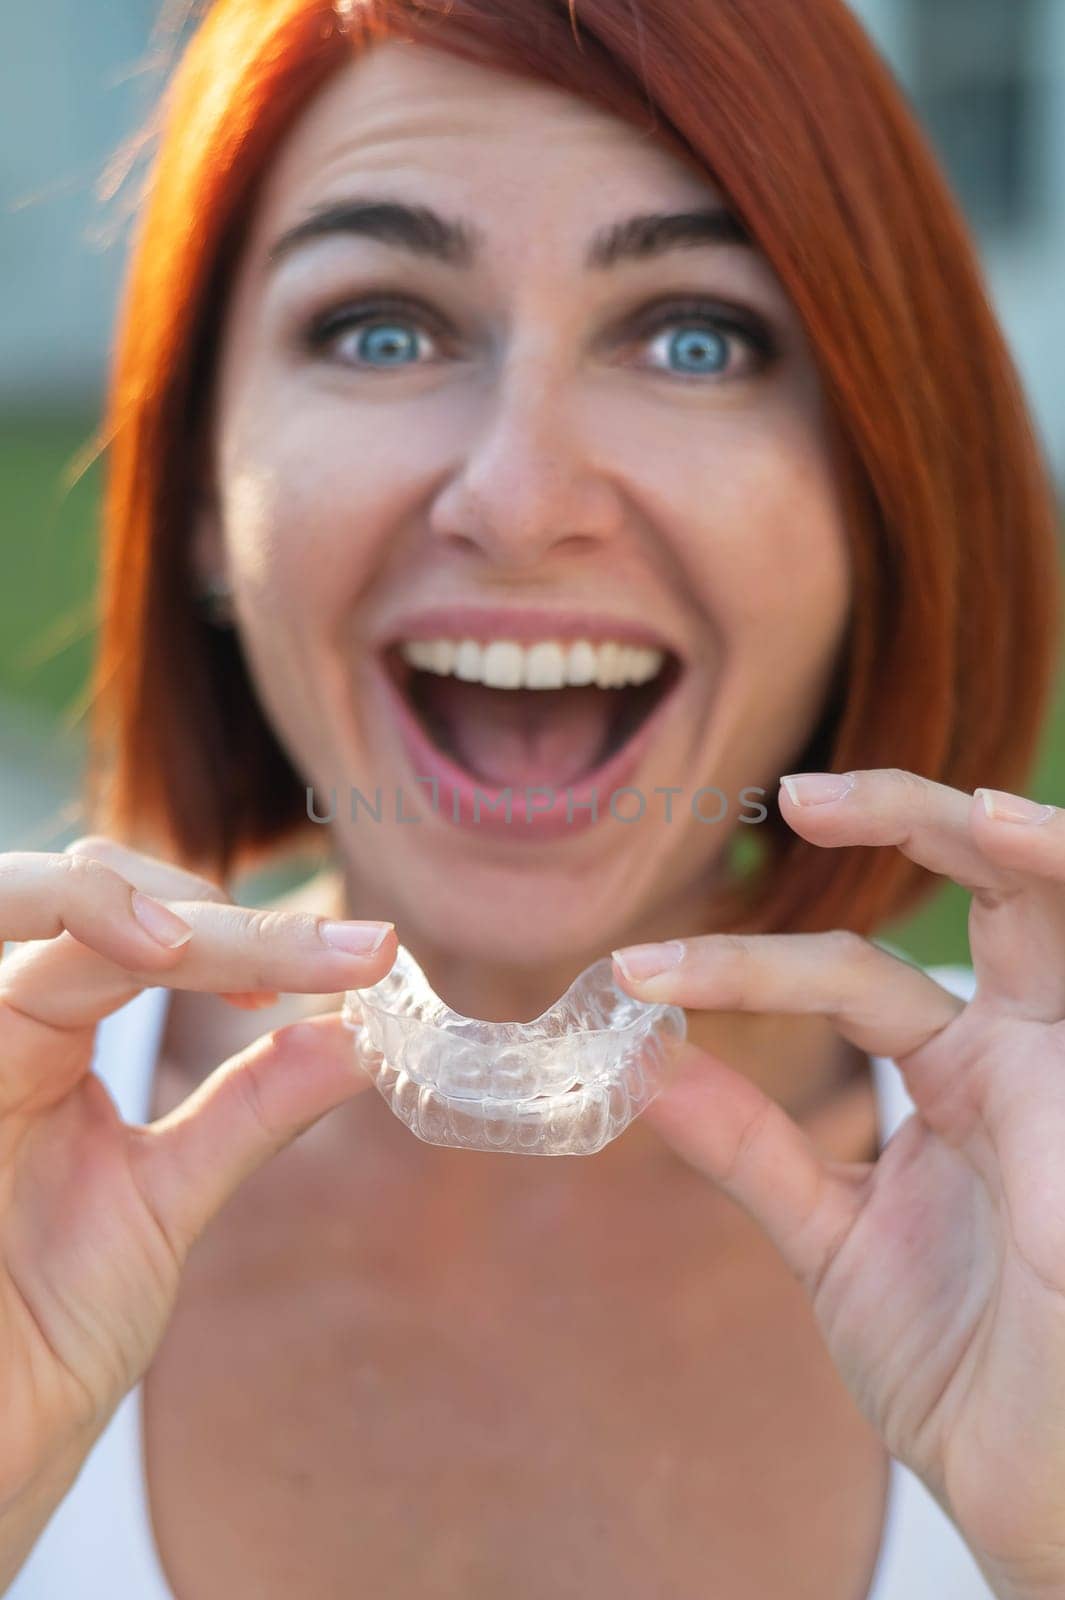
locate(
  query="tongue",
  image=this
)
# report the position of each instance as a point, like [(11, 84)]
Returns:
[(519, 737)]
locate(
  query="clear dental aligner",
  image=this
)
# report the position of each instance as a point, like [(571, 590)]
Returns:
[(565, 1084)]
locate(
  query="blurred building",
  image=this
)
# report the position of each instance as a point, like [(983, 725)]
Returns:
[(986, 76), (72, 88)]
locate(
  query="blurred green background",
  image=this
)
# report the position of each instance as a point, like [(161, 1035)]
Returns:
[(985, 77)]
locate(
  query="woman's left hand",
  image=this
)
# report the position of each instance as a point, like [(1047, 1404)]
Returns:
[(937, 1273)]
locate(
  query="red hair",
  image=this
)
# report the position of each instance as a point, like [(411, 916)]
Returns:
[(950, 653)]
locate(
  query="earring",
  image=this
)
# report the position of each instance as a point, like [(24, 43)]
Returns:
[(215, 601), (745, 853)]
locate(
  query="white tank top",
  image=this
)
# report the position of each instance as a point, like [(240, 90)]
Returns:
[(99, 1543)]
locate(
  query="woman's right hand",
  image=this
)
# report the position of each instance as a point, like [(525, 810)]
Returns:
[(96, 1215)]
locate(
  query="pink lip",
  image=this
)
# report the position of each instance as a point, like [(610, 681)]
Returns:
[(521, 624), (456, 790)]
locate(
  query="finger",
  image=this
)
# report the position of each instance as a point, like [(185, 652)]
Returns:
[(43, 893), (150, 874), (1015, 873), (233, 950), (253, 1105), (738, 1137), (1018, 941), (81, 904), (154, 876), (157, 877), (881, 1003)]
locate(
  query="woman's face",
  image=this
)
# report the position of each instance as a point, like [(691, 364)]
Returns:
[(521, 444)]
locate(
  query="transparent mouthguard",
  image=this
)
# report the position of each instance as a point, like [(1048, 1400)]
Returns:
[(565, 1084)]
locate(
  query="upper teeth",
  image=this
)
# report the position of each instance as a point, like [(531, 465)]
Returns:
[(504, 664)]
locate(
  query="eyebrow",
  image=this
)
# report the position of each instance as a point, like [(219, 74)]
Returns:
[(424, 232)]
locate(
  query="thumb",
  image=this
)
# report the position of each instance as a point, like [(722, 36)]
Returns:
[(724, 1126), (247, 1110)]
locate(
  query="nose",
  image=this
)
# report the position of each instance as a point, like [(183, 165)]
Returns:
[(529, 487)]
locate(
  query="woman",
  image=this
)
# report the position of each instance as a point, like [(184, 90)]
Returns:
[(410, 358)]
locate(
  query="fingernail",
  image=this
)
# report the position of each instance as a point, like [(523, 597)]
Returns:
[(642, 961), (356, 938), (1012, 807), (814, 788), (165, 927)]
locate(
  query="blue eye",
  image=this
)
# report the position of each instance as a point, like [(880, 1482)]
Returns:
[(384, 344), (699, 338), (388, 343), (699, 350)]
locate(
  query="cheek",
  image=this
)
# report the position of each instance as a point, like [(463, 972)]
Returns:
[(764, 534), (320, 482), (303, 524)]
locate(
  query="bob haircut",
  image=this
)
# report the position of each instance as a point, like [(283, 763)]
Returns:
[(950, 650)]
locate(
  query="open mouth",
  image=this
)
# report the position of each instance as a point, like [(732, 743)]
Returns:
[(550, 714)]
